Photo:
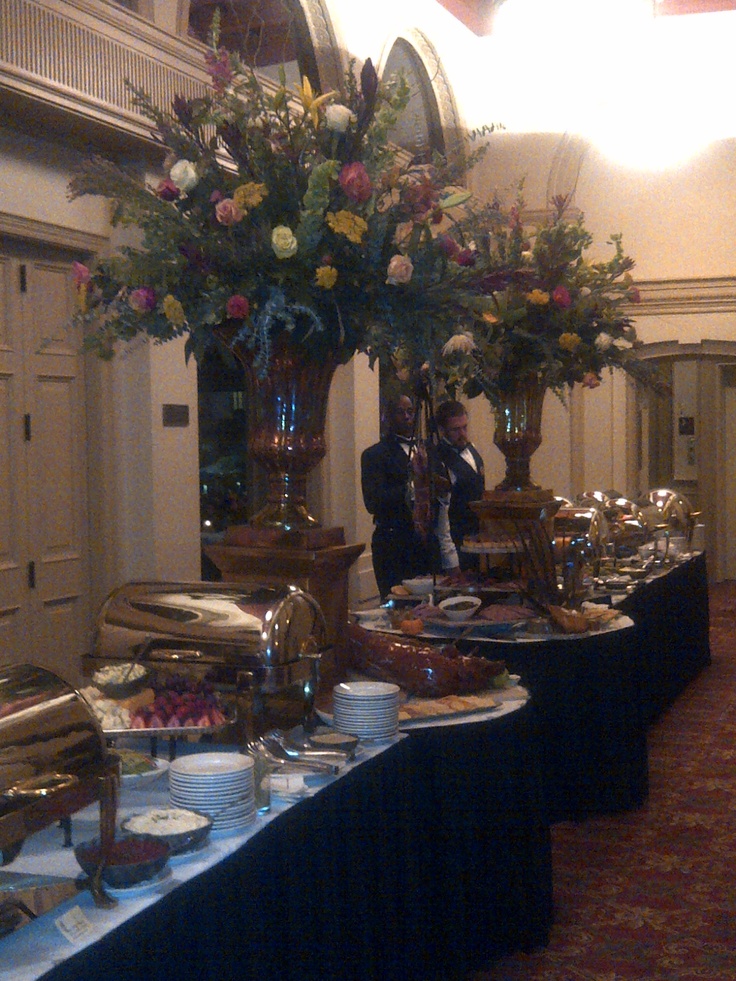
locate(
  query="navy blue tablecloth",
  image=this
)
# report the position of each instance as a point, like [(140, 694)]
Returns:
[(672, 632), (425, 862), (591, 734), (594, 696)]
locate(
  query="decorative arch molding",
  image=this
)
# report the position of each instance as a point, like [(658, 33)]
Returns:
[(440, 88), (705, 349), (324, 44)]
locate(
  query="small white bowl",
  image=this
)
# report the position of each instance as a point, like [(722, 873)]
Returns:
[(460, 607), (420, 586)]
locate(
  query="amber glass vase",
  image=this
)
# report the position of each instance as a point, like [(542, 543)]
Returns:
[(288, 434), (518, 432)]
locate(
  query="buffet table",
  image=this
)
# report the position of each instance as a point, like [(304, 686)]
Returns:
[(595, 694), (672, 632), (591, 733), (425, 859)]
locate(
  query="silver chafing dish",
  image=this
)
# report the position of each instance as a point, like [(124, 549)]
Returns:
[(575, 523), (671, 510), (53, 757), (258, 646)]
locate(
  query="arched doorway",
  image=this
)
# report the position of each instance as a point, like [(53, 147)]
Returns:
[(688, 439)]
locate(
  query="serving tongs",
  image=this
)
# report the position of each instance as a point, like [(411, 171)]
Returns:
[(276, 755), (280, 744)]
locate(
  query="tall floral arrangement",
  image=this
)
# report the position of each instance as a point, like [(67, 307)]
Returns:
[(277, 211), (540, 307)]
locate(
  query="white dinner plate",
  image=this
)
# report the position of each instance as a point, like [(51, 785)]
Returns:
[(212, 764), (365, 689)]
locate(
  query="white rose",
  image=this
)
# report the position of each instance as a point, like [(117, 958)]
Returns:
[(184, 175), (603, 341), (283, 242), (338, 118)]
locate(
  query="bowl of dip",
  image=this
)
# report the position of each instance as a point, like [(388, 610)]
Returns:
[(460, 607), (182, 829)]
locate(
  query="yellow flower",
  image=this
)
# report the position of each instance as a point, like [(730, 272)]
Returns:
[(569, 342), (490, 318), (538, 298), (249, 195), (310, 101), (353, 227), (174, 311), (326, 277)]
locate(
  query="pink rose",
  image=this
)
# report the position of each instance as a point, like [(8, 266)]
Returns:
[(142, 300), (590, 380), (400, 270), (227, 212), (167, 190), (355, 182), (561, 297), (238, 307), (80, 274)]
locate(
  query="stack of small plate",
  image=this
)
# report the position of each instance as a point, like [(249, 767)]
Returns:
[(367, 709), (220, 784)]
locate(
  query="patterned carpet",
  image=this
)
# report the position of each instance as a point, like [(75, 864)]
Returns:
[(651, 895)]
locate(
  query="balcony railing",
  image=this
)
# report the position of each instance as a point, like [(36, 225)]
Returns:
[(77, 56)]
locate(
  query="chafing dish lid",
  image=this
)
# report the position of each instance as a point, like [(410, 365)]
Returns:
[(277, 624), (46, 727)]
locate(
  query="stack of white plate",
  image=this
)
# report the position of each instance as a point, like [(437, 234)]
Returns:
[(220, 784), (368, 709)]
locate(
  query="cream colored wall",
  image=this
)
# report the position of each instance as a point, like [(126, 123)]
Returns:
[(34, 174), (145, 495), (352, 424)]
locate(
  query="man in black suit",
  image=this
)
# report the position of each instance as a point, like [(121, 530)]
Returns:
[(467, 475), (399, 550)]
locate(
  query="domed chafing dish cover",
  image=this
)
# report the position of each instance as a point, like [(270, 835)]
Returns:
[(53, 756), (202, 621)]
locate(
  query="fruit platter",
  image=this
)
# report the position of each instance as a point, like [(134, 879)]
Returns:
[(172, 705)]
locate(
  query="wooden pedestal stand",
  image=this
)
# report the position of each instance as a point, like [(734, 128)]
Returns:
[(316, 559), (527, 516)]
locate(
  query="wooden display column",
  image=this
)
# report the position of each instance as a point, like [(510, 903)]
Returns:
[(317, 560)]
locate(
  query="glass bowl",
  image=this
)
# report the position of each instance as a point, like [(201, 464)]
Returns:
[(133, 859)]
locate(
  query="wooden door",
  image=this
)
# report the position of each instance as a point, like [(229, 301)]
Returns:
[(44, 563)]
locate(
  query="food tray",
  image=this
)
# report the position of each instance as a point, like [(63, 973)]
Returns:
[(449, 708), (167, 731), (474, 628)]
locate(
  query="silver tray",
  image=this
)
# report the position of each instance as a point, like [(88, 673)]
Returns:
[(167, 731)]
